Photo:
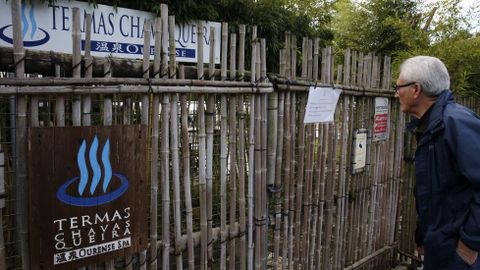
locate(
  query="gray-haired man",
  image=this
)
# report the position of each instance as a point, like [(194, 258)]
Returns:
[(447, 166)]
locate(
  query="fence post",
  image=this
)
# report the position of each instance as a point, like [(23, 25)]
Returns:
[(21, 206)]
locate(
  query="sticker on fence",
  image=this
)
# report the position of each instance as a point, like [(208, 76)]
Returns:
[(359, 154), (321, 104), (87, 189), (381, 119)]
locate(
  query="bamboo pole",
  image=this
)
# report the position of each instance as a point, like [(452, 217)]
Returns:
[(210, 133), (223, 152), (172, 52), (154, 153), (347, 65), (322, 193), (360, 69), (353, 75), (154, 179), (232, 153), (175, 146), (165, 35), (342, 182), (258, 164), (258, 184), (59, 104), (107, 102), (233, 51), (324, 66), (331, 172), (223, 182), (202, 155), (142, 89), (307, 205), (339, 74), (278, 177), (164, 153), (286, 172), (299, 183), (304, 58), (251, 153), (209, 173), (176, 178), (292, 164), (272, 138), (165, 181), (263, 197), (293, 56), (309, 59), (315, 58), (211, 67), (241, 150), (344, 247), (20, 146), (57, 83), (288, 69), (87, 99), (76, 65), (332, 63), (145, 110), (316, 197), (241, 52), (186, 181), (223, 73), (233, 175), (241, 180)]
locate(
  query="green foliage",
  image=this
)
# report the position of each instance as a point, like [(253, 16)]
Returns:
[(461, 55), (377, 26), (402, 30)]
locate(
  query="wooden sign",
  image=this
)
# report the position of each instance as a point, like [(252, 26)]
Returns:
[(87, 189)]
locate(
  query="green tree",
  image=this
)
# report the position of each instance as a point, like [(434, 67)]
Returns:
[(378, 26)]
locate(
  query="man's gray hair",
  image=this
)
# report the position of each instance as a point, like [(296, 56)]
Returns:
[(429, 71)]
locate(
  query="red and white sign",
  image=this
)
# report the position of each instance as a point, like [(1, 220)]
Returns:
[(381, 119)]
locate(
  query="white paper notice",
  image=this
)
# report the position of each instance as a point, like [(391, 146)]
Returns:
[(321, 104)]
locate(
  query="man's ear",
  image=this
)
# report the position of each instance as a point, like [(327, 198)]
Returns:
[(417, 90)]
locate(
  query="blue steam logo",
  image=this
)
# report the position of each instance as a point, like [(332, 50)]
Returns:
[(91, 200), (32, 34)]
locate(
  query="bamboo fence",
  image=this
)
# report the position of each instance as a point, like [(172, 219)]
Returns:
[(236, 179)]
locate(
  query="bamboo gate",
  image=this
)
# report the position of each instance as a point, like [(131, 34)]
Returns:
[(236, 179)]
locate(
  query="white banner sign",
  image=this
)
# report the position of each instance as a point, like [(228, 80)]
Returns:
[(116, 33), (321, 104)]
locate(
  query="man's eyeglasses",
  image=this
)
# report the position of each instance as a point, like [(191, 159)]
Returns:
[(397, 87)]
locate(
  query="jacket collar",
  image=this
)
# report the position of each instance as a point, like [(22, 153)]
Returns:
[(436, 113)]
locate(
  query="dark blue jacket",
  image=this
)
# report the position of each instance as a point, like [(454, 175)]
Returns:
[(447, 171)]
